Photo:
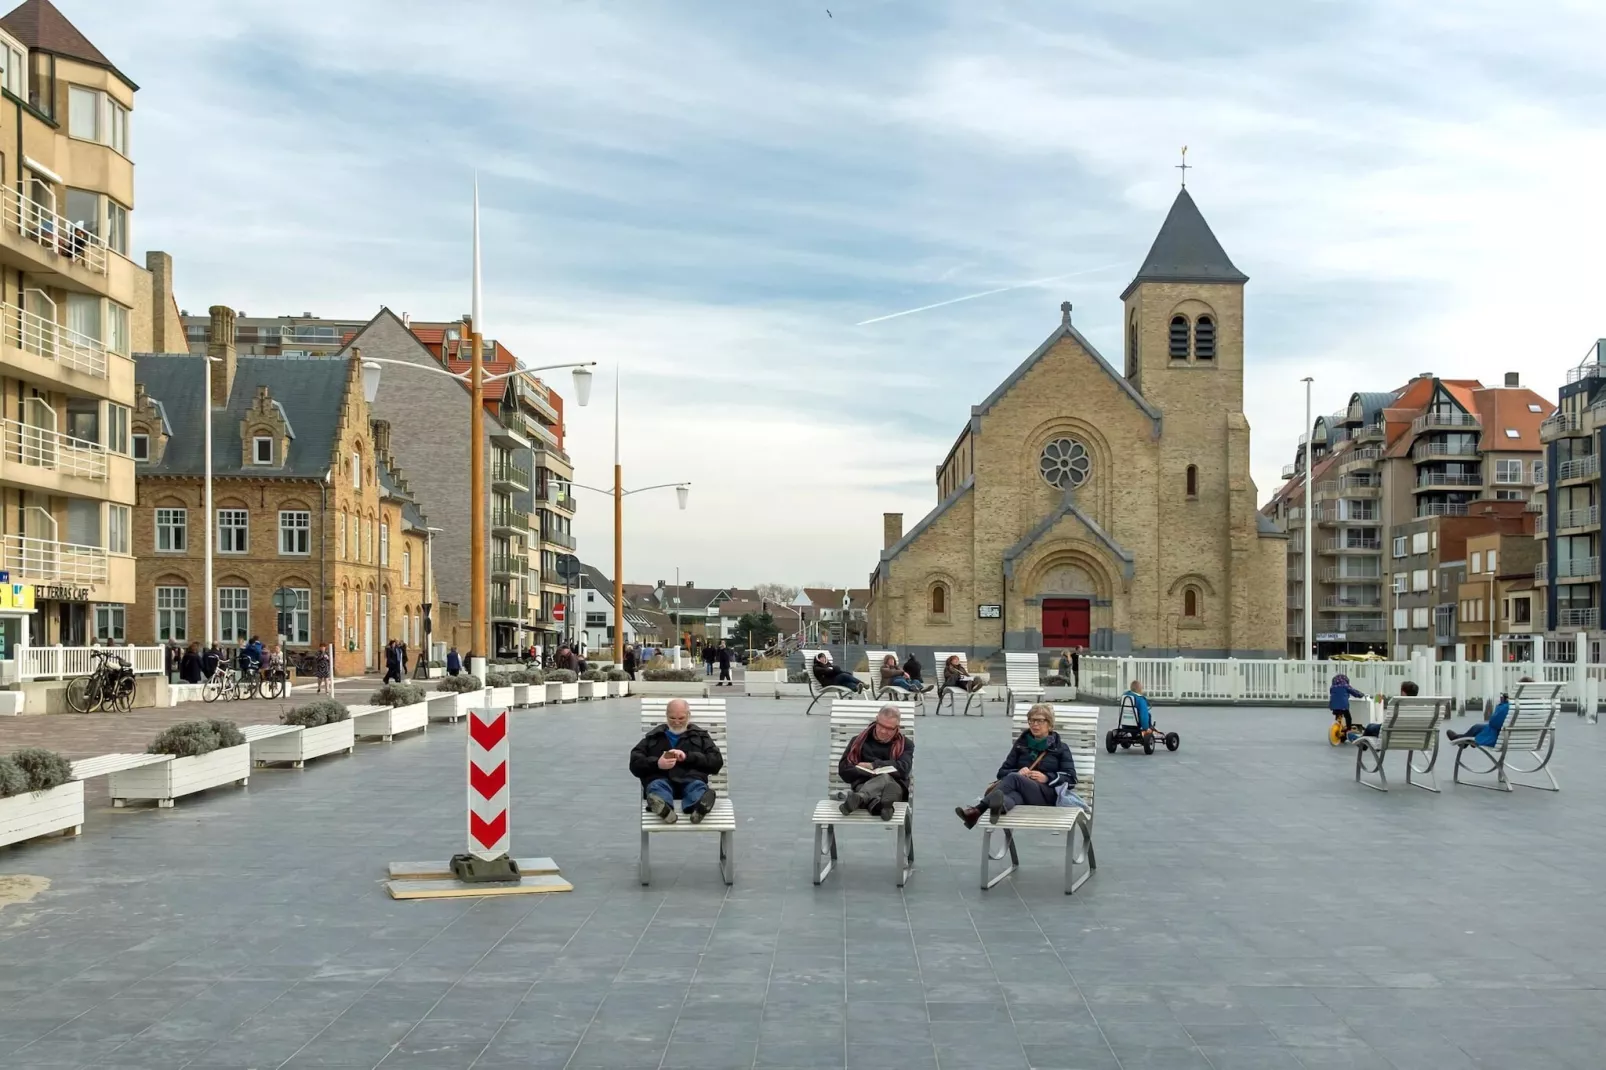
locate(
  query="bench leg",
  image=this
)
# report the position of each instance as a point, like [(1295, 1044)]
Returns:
[(644, 866), (1411, 771), (1542, 767), (904, 846), (1081, 831), (970, 697), (727, 856), (1361, 751), (1497, 767), (988, 878), (824, 852)]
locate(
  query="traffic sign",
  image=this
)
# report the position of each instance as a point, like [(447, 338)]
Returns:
[(557, 612), (488, 791)]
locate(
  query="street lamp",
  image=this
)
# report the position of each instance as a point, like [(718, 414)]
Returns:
[(206, 528)]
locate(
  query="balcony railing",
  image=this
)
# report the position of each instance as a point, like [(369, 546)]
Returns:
[(1290, 470), (1560, 425), (508, 564), (1352, 624), (554, 536), (1539, 473), (1370, 433), (1430, 420), (1578, 618), (1352, 546), (510, 518), (556, 498), (1441, 509), (1578, 518), (1352, 601), (512, 473), (66, 239), (46, 338), (1443, 449), (1359, 455), (1578, 468), (552, 576), (36, 447), (47, 561), (1576, 567), (1338, 575), (507, 609), (1351, 517), (1448, 479)]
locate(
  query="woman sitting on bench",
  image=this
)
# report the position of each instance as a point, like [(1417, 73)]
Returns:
[(894, 676), (1038, 771), (827, 673), (956, 678)]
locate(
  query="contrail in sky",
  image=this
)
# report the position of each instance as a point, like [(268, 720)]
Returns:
[(984, 293)]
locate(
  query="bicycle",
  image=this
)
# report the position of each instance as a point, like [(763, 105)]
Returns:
[(224, 683), (110, 686)]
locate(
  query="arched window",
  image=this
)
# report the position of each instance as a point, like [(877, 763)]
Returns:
[(1193, 481), (1179, 337), (1190, 602), (939, 599), (1204, 338), (1132, 348)]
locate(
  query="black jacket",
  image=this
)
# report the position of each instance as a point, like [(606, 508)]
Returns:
[(724, 657), (911, 668), (703, 759), (189, 668), (876, 753), (1057, 764)]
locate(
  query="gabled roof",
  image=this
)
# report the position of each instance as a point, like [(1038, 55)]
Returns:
[(1510, 408), (41, 26), (1185, 250), (1065, 330)]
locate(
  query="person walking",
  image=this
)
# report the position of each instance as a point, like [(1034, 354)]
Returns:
[(708, 659), (724, 655), (630, 661), (324, 671)]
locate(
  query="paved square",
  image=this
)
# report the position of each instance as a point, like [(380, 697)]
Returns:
[(1253, 909)]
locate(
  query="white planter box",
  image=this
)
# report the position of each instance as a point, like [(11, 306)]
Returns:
[(11, 703), (388, 722), (563, 692), (670, 689), (501, 696), (452, 706), (181, 776), (529, 694), (618, 688), (39, 813), (297, 747), (434, 674), (590, 689), (177, 693), (791, 690)]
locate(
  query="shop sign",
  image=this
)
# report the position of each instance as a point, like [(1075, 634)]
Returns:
[(62, 594)]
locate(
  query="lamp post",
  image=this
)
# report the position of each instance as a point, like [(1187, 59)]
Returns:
[(206, 523), (1310, 550)]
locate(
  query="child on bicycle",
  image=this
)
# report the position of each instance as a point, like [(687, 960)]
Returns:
[(1408, 689), (1338, 696)]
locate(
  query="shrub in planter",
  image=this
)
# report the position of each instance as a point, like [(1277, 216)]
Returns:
[(518, 676), (462, 683), (561, 676), (43, 769), (766, 664), (498, 679), (228, 733), (435, 665), (187, 739), (682, 676), (535, 676), (797, 678), (657, 662), (618, 674), (13, 781), (394, 694), (317, 712), (1056, 681), (594, 675)]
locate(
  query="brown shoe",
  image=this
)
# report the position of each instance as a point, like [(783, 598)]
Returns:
[(969, 815)]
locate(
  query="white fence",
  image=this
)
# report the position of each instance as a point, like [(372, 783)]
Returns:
[(61, 662)]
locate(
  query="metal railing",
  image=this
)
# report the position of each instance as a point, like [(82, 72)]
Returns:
[(33, 333), (1353, 601), (1577, 618), (60, 662), (1441, 509), (1337, 575), (61, 236), (1359, 455), (510, 518), (556, 498), (552, 576), (1370, 433), (507, 609), (1539, 472), (54, 562), (1352, 546), (1290, 470), (1443, 449), (38, 447), (510, 472), (554, 536), (508, 564), (1575, 567), (1578, 467), (1578, 518), (1445, 419), (1448, 479), (1560, 424)]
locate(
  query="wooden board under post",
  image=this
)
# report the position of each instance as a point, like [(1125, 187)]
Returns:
[(438, 889), (442, 871)]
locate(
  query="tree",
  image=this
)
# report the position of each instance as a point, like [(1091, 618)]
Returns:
[(777, 592), (761, 626)]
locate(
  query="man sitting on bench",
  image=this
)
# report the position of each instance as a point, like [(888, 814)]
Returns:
[(674, 761), (876, 766), (830, 675)]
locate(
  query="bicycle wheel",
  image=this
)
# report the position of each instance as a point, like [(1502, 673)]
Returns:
[(212, 690), (273, 687), (78, 694), (122, 697)]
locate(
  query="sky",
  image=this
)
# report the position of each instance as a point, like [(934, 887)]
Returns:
[(710, 198)]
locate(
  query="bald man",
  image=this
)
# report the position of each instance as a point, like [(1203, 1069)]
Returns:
[(674, 761)]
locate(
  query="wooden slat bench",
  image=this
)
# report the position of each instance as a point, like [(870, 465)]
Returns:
[(1530, 729), (1023, 680), (849, 717), (710, 714), (1410, 724), (1078, 726), (914, 701), (817, 690), (89, 768), (945, 692)]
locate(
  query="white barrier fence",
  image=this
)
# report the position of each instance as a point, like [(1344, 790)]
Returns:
[(1275, 681), (62, 662)]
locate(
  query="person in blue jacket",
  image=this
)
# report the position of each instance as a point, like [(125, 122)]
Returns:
[(1140, 703), (1487, 733), (1338, 696)]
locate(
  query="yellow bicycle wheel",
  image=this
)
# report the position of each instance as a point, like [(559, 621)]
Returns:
[(1335, 734)]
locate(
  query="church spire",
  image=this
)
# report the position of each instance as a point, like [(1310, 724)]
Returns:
[(1185, 250)]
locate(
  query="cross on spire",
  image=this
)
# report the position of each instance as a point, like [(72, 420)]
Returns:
[(1183, 167)]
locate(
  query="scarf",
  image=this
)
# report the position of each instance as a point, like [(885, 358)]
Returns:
[(1035, 746), (857, 746)]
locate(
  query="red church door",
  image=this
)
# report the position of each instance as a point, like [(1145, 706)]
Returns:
[(1066, 622)]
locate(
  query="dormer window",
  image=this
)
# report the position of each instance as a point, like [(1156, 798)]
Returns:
[(142, 447), (262, 450)]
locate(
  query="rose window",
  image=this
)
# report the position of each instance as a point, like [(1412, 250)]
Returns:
[(1065, 463)]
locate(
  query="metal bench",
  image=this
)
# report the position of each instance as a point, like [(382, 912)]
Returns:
[(1078, 726), (1023, 681), (817, 690), (946, 692), (849, 717), (1410, 724), (1530, 728), (710, 714), (916, 700)]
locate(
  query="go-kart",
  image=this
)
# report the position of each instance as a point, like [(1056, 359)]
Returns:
[(1127, 732)]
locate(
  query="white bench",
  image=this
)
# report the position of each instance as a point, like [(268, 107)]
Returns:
[(916, 700), (946, 692), (1530, 728), (709, 713), (817, 690), (1078, 727), (849, 717), (1023, 680), (1410, 724)]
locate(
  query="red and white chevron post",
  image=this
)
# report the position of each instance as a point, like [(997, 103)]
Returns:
[(489, 795)]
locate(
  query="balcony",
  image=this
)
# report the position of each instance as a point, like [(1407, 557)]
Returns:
[(1348, 487), (38, 458), (1352, 546), (552, 578), (1578, 618), (509, 564), (556, 498), (1577, 518), (1577, 568), (1339, 575), (507, 610), (507, 476), (1539, 473), (1457, 420), (1560, 425), (1370, 433), (1578, 468), (48, 561), (1358, 457), (1290, 471), (52, 341), (534, 394), (1426, 450), (1428, 479), (1369, 518), (557, 538), (67, 243), (1425, 509), (510, 520), (1352, 601), (1356, 626)]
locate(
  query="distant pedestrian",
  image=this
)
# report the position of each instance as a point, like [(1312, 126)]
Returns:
[(454, 662), (630, 661), (324, 671), (708, 659), (393, 662), (724, 656), (1076, 667)]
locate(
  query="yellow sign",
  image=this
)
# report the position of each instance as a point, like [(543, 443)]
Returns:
[(17, 596)]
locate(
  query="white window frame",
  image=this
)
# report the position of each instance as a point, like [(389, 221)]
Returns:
[(170, 522), (1477, 561), (1399, 545), (119, 420), (234, 619), (1419, 543), (119, 528), (1491, 560), (356, 470), (111, 622), (119, 331), (1420, 618), (257, 442), (1537, 467), (407, 566), (384, 545), (234, 520), (173, 614), (295, 526), (117, 227), (299, 618), (1508, 470), (140, 447)]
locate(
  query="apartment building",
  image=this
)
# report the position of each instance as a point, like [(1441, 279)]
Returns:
[(1432, 448), (1429, 562), (74, 308), (1497, 597), (1567, 505), (305, 335)]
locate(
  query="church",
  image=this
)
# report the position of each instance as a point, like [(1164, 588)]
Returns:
[(1086, 506)]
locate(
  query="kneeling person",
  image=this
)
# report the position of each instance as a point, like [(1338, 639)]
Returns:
[(876, 766), (674, 761)]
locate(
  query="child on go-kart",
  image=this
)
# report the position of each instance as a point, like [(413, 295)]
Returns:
[(1338, 696), (1140, 704)]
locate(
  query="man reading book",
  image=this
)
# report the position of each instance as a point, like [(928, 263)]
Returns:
[(876, 766)]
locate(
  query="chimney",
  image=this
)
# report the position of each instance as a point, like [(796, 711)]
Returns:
[(891, 529), (222, 345), (381, 431), (1513, 379), (407, 319), (1424, 375), (160, 265)]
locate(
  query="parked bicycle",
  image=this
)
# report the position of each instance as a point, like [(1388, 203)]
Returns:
[(109, 686), (227, 683)]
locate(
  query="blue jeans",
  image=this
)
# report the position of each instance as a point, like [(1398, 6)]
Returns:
[(847, 680), (691, 792), (903, 683)]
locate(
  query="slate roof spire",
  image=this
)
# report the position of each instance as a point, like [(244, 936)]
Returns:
[(1185, 250)]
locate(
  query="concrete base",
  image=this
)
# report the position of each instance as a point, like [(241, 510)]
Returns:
[(50, 696)]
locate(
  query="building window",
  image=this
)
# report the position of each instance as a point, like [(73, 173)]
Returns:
[(1477, 562), (1132, 348), (1493, 567), (15, 73), (1204, 338), (118, 520), (117, 423), (172, 531), (384, 545), (1179, 338), (1508, 470), (109, 623), (295, 531), (119, 339), (407, 566), (596, 620), (1419, 579), (1399, 546), (142, 447), (173, 613), (1065, 463), (232, 527), (356, 470), (95, 116), (1512, 432), (262, 450), (1539, 471), (1419, 542), (234, 614), (116, 226), (1190, 602), (1193, 481), (1521, 611), (340, 537), (939, 600), (295, 620)]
